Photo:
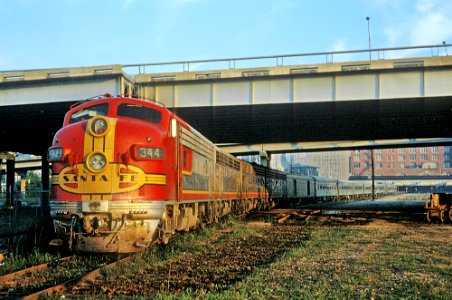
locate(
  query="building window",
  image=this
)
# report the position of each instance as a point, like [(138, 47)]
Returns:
[(424, 150), (402, 150), (447, 165), (356, 158), (379, 165), (412, 157), (412, 150), (378, 150), (435, 157), (435, 149), (378, 157), (424, 157), (356, 166), (401, 157), (356, 151), (401, 165)]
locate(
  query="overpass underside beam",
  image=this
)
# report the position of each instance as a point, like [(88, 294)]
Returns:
[(249, 149), (413, 118)]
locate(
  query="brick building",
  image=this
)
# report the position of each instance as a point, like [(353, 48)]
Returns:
[(413, 161)]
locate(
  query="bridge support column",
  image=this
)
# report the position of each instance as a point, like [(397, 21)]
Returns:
[(264, 158), (23, 180), (45, 185), (10, 171), (1, 175)]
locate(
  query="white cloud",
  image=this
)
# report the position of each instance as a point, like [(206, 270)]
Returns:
[(127, 3), (170, 3), (180, 3), (425, 5), (392, 35), (341, 45), (429, 23), (434, 23)]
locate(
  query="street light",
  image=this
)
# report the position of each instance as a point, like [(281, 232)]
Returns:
[(368, 31)]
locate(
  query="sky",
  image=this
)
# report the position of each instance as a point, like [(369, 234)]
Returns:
[(73, 33)]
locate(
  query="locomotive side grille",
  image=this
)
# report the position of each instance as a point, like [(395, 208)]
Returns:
[(227, 161), (196, 143)]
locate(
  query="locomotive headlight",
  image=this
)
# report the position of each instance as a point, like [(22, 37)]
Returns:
[(96, 162), (98, 126), (149, 152), (55, 154)]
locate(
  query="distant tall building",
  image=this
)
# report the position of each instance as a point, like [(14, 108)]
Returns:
[(331, 164), (328, 164), (414, 161)]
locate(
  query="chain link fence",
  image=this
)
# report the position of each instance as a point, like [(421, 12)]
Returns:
[(21, 214)]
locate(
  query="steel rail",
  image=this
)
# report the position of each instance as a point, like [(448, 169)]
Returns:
[(70, 284), (12, 276)]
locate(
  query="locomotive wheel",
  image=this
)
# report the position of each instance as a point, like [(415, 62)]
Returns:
[(443, 216), (428, 216), (165, 238)]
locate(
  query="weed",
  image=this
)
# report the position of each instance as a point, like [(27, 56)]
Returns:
[(17, 260)]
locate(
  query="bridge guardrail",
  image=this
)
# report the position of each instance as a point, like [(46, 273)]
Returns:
[(291, 59)]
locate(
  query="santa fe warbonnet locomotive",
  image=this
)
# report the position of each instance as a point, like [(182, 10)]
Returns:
[(127, 173)]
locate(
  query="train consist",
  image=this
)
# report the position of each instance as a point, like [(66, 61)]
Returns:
[(288, 189), (127, 173)]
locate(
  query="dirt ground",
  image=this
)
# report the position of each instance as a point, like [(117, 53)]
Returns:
[(223, 259), (229, 255)]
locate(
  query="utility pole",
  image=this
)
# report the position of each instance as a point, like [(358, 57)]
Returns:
[(373, 173), (368, 32)]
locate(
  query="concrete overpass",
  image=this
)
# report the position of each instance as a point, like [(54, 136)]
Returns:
[(286, 107), (33, 102)]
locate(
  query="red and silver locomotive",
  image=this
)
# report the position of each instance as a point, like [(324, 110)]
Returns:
[(127, 173)]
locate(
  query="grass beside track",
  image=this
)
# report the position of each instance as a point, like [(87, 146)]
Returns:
[(380, 260)]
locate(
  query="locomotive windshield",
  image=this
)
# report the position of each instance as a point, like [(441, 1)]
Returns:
[(139, 112), (89, 112)]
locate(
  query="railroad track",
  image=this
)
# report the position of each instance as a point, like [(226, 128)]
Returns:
[(294, 215), (52, 278)]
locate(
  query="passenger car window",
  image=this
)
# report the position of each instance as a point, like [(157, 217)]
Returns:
[(139, 112), (89, 112)]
